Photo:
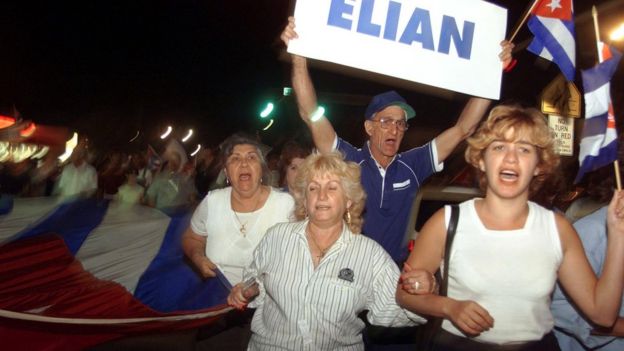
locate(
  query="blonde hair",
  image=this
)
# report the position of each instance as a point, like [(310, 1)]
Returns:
[(528, 124), (349, 175)]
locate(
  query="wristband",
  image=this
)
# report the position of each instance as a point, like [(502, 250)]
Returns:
[(510, 66), (317, 114)]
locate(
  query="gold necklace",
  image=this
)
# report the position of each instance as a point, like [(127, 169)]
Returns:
[(322, 252), (243, 226)]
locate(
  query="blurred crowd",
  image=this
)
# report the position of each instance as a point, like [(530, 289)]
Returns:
[(165, 179)]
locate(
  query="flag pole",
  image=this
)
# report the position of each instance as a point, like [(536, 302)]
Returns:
[(597, 32), (616, 165), (522, 20)]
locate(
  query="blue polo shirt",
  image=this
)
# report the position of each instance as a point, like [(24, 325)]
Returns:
[(390, 195)]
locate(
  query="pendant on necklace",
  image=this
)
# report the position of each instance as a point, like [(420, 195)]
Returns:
[(242, 229), (322, 253)]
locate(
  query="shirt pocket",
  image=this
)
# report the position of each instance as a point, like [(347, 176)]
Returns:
[(344, 298)]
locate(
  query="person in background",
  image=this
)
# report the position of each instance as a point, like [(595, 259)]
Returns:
[(111, 175), (317, 275), (139, 162), (15, 177), (130, 193), (596, 192), (291, 158), (78, 178), (171, 189), (573, 331), (273, 165), (508, 251), (44, 175), (207, 170)]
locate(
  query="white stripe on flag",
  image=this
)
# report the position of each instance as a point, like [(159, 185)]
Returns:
[(111, 321), (610, 136), (546, 54), (590, 146), (26, 212), (597, 101), (558, 30), (119, 251)]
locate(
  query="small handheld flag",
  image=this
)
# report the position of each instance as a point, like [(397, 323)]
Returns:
[(552, 24), (599, 139)]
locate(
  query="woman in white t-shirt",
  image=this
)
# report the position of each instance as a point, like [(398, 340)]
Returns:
[(229, 223), (130, 193), (508, 252)]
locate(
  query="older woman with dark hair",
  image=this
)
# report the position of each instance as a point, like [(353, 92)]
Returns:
[(229, 223), (316, 275), (508, 252)]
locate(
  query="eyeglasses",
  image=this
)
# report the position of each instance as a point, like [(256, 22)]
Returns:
[(386, 123)]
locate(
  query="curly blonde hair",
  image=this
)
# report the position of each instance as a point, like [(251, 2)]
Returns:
[(349, 175), (528, 124)]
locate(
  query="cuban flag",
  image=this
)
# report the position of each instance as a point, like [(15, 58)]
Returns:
[(599, 139), (79, 273), (552, 24)]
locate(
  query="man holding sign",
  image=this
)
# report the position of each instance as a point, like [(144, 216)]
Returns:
[(391, 179)]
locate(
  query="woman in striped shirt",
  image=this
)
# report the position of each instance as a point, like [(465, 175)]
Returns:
[(316, 275)]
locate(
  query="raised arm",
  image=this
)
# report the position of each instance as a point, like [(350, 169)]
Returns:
[(463, 128), (428, 252), (322, 131), (599, 299), (472, 113)]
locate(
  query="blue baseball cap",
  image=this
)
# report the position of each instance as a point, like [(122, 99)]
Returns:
[(389, 98)]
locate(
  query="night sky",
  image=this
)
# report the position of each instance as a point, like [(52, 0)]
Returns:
[(110, 68)]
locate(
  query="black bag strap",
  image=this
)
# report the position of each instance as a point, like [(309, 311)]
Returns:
[(426, 339), (450, 235)]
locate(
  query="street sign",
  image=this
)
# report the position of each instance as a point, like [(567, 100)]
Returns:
[(563, 134), (561, 98)]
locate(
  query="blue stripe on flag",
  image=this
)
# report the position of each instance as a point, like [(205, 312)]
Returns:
[(595, 125), (591, 163), (73, 221), (536, 46), (170, 284), (546, 40), (600, 75)]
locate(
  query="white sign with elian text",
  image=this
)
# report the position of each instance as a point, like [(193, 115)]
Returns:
[(451, 44)]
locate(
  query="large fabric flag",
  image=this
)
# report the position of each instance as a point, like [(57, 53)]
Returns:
[(599, 139), (552, 24), (79, 273)]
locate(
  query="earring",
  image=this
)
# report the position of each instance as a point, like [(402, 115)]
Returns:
[(227, 181), (348, 217)]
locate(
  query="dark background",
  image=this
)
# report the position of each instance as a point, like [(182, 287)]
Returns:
[(110, 68)]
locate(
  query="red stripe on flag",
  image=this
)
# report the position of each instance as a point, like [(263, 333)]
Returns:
[(40, 276), (561, 9)]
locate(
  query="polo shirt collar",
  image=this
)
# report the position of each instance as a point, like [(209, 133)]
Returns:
[(370, 154)]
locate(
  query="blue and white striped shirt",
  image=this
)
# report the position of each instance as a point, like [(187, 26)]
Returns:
[(303, 308)]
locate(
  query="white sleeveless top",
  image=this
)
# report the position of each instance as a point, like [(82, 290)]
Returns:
[(226, 246), (510, 273)]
